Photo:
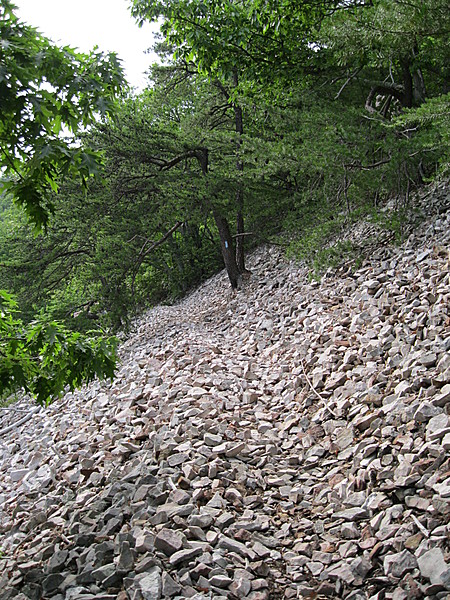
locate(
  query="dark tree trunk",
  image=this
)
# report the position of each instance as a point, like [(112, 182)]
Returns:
[(240, 257), (407, 84), (227, 246), (226, 241), (420, 92), (240, 229)]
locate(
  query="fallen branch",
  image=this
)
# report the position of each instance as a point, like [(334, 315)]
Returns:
[(421, 528), (309, 382), (314, 389), (20, 421)]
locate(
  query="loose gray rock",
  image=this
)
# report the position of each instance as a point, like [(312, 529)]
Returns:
[(398, 564), (432, 565), (184, 555), (169, 541), (286, 441), (150, 585)]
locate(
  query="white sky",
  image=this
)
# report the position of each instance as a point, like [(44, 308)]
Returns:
[(84, 24)]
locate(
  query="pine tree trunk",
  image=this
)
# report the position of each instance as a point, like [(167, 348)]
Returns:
[(226, 241), (407, 84), (240, 257), (420, 92), (239, 128), (227, 246)]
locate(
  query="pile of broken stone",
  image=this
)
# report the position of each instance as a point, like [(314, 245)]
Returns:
[(289, 441)]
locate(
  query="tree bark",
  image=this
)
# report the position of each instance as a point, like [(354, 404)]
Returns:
[(240, 229), (239, 128), (420, 91), (240, 256), (407, 84), (227, 247), (226, 241)]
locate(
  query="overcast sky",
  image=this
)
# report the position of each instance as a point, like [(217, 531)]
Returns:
[(84, 24)]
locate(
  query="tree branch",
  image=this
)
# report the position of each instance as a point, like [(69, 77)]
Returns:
[(345, 84), (161, 241), (357, 165), (20, 421)]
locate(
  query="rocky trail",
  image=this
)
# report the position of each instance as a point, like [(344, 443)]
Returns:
[(291, 441)]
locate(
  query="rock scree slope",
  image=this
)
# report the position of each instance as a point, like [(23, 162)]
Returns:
[(291, 441)]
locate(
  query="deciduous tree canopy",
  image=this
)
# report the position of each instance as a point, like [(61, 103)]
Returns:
[(43, 90), (46, 90)]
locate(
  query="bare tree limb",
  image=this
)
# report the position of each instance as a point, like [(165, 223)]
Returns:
[(314, 389), (20, 421), (357, 165), (349, 79), (160, 241)]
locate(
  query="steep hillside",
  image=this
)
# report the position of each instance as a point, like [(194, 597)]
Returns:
[(289, 441)]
